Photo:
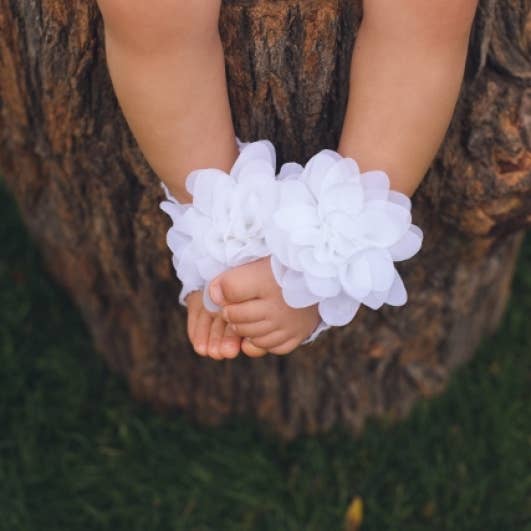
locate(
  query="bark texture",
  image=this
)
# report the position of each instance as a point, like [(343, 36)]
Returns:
[(91, 203)]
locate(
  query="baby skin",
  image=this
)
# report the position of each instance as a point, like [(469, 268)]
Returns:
[(167, 67)]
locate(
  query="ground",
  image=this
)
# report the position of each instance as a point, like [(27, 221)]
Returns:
[(76, 453)]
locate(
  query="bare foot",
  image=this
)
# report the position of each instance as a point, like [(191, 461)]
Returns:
[(210, 334), (253, 304)]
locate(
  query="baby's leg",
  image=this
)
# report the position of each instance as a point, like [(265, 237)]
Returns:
[(406, 73), (166, 63), (167, 67)]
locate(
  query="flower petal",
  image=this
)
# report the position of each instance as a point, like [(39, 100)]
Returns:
[(173, 208), (397, 295), (373, 194), (375, 299), (396, 211), (290, 170), (295, 292), (187, 222), (262, 150), (208, 303), (375, 179), (296, 216), (339, 310), (322, 287), (209, 267), (247, 215), (317, 167), (342, 224), (408, 246), (299, 298), (214, 244), (356, 278), (280, 246), (294, 192), (206, 184), (399, 199), (346, 198), (278, 269), (186, 268), (379, 226), (382, 269), (176, 241), (305, 236), (247, 252), (255, 172), (345, 170), (315, 267)]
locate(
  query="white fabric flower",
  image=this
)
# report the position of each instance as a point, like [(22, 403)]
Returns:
[(224, 226), (333, 233), (335, 236)]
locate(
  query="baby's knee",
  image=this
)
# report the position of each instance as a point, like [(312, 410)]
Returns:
[(161, 20)]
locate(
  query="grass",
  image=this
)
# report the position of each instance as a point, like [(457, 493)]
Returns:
[(77, 454)]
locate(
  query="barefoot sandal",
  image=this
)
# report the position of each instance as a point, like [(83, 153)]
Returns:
[(224, 225), (333, 233)]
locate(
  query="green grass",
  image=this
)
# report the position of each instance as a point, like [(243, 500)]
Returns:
[(77, 454)]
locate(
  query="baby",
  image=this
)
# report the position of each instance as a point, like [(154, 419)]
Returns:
[(167, 66)]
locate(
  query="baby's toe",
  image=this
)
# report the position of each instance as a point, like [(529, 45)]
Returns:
[(245, 312), (193, 303), (267, 342), (202, 332), (285, 348), (252, 350), (230, 343), (217, 330), (257, 329)]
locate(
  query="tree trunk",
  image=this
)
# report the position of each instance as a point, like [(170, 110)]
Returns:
[(91, 203)]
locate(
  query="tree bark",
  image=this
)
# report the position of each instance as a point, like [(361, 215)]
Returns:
[(91, 203)]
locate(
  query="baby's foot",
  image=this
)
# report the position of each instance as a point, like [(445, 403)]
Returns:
[(210, 334), (253, 304)]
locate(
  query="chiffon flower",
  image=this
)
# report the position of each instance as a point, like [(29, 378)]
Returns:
[(225, 224), (335, 236)]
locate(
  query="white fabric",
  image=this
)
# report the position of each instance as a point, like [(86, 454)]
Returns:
[(224, 226), (333, 233), (339, 232)]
